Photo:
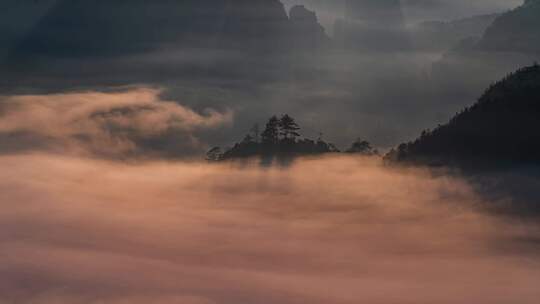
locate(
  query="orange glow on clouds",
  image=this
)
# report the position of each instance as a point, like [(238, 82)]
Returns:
[(332, 230)]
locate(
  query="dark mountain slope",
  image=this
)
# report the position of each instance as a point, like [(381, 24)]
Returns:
[(502, 128)]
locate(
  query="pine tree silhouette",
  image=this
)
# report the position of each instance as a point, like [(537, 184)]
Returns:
[(270, 135), (288, 128), (278, 141)]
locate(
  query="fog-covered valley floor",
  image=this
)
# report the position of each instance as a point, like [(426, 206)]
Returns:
[(328, 230)]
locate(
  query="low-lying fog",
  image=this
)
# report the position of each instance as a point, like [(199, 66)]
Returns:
[(330, 230)]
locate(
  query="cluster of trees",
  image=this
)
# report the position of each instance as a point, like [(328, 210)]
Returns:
[(362, 147), (503, 127), (281, 138)]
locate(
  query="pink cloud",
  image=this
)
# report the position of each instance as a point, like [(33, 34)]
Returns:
[(106, 123), (333, 230)]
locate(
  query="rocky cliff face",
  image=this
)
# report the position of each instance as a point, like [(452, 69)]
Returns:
[(306, 31)]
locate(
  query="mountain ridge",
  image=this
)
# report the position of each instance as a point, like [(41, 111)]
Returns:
[(501, 128)]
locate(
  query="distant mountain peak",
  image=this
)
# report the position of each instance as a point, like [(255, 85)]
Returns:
[(515, 31)]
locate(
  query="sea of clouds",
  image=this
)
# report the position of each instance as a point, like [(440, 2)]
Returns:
[(338, 229), (103, 202)]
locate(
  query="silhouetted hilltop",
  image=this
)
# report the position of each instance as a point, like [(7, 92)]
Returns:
[(281, 139), (503, 127)]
